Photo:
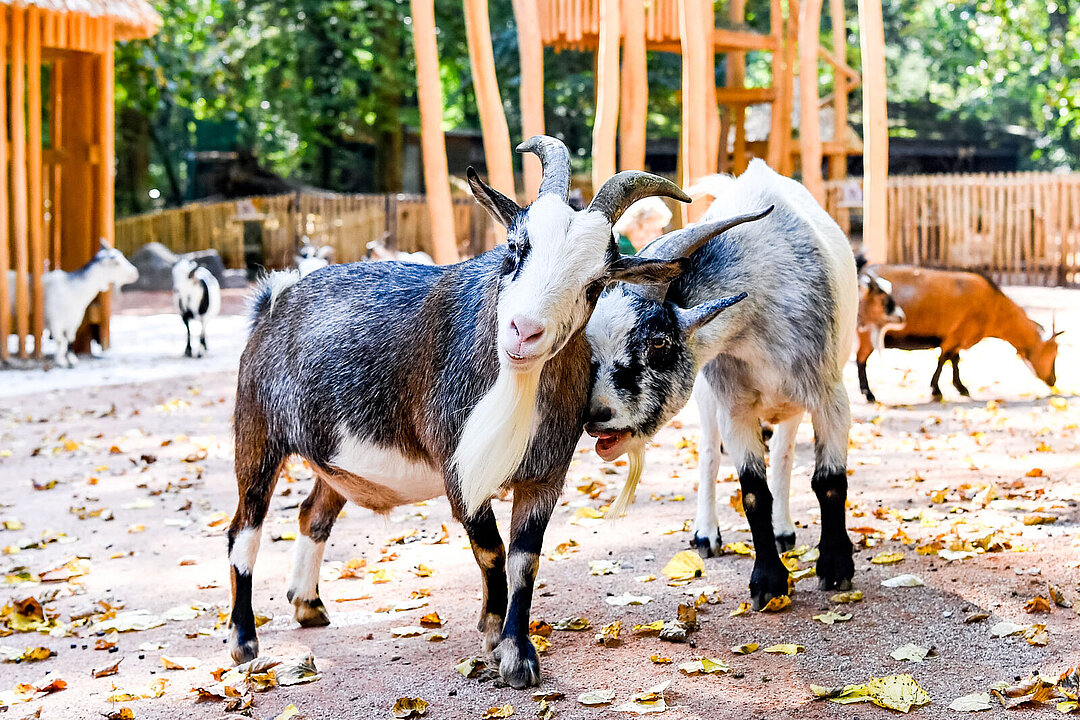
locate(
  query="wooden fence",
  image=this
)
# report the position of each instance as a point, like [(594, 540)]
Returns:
[(346, 222), (1021, 228)]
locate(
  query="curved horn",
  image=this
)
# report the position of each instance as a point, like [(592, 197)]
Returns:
[(622, 190), (555, 160), (685, 242)]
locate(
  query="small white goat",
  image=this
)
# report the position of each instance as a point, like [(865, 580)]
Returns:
[(310, 258), (377, 250), (68, 294), (198, 297)]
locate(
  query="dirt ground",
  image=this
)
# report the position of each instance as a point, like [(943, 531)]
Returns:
[(135, 478)]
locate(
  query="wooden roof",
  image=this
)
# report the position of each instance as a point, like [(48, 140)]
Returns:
[(131, 18)]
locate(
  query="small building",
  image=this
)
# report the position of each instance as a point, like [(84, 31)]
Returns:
[(56, 148)]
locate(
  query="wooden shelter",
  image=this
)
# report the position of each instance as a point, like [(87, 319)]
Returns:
[(56, 152), (621, 31)]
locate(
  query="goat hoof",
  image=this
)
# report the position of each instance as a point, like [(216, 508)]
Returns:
[(187, 352), (242, 650), (785, 542), (707, 545), (491, 626), (870, 398), (310, 613), (518, 663), (767, 583), (963, 391), (835, 569)]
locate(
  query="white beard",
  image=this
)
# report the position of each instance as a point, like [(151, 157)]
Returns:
[(496, 436), (636, 462)]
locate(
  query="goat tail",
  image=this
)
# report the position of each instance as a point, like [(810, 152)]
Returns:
[(495, 437), (636, 462), (266, 293)]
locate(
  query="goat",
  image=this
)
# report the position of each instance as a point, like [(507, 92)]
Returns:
[(400, 382), (377, 250), (310, 258), (790, 283), (953, 310), (67, 295), (878, 315), (198, 297)]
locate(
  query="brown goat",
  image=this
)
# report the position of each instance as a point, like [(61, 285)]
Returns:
[(878, 315), (954, 310)]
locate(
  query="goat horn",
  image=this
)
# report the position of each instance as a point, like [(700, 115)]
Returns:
[(555, 160), (622, 190), (685, 242)]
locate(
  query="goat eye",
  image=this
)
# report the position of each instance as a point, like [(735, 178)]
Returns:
[(660, 343)]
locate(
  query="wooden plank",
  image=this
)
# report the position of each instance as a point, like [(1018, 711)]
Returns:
[(497, 153), (694, 79), (809, 119), (5, 260), (875, 126), (34, 174), (531, 50), (634, 86), (106, 169), (745, 95), (56, 107), (837, 63), (712, 112), (19, 207), (787, 90), (433, 142), (776, 149), (606, 120), (736, 79), (838, 160)]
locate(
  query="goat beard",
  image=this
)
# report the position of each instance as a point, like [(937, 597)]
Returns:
[(635, 456), (496, 436)]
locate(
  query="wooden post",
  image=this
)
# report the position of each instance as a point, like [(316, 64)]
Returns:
[(19, 227), (531, 50), (605, 122), (694, 111), (809, 122), (787, 162), (500, 165), (106, 169), (635, 88), (432, 140), (736, 78), (777, 146), (875, 130), (841, 86), (34, 177), (5, 261), (712, 111)]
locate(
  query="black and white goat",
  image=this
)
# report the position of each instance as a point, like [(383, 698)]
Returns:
[(198, 299), (310, 258), (779, 352), (401, 382), (68, 294)]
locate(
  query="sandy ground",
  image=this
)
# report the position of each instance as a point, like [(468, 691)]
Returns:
[(144, 436)]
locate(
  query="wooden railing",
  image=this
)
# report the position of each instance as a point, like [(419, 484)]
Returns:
[(1020, 228)]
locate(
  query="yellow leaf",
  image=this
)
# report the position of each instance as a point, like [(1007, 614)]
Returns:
[(910, 652), (745, 648), (609, 634), (887, 558), (469, 667), (288, 713), (179, 663), (777, 604), (422, 570), (588, 512), (739, 548), (649, 629), (896, 692), (741, 610), (596, 697), (832, 616), (407, 707), (541, 643), (407, 631), (576, 624), (686, 565), (704, 666), (381, 575), (785, 649), (659, 660), (498, 712), (431, 620), (1037, 634), (1037, 604)]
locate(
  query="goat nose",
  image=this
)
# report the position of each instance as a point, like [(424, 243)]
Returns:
[(525, 329), (601, 414)]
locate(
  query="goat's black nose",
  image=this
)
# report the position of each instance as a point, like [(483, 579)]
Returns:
[(600, 414)]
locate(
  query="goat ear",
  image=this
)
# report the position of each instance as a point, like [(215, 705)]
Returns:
[(501, 208), (104, 243), (324, 252), (690, 321), (1057, 334), (646, 271)]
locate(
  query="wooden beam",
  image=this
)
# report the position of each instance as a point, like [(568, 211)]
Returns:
[(497, 153), (809, 116), (787, 91), (633, 115), (712, 111), (776, 149), (53, 155), (5, 261), (736, 79), (875, 130), (34, 177), (606, 120), (106, 169), (838, 161), (432, 140), (694, 80), (531, 51), (19, 222), (745, 96), (724, 41), (838, 61)]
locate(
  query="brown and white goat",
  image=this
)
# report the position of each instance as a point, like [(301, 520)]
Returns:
[(400, 382), (953, 310), (878, 315)]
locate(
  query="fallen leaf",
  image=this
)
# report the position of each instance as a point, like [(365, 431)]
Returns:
[(107, 671), (851, 596), (1005, 628), (785, 649), (660, 660), (431, 620), (649, 629), (539, 627), (738, 548), (704, 666), (604, 567), (609, 634), (541, 643), (742, 609), (896, 692), (974, 702), (906, 580), (1040, 519), (596, 697), (407, 707), (124, 713), (976, 617), (910, 652), (627, 599), (504, 711), (1057, 596), (647, 702), (685, 566), (1037, 604), (469, 667), (290, 712), (745, 648), (832, 616), (407, 631), (1037, 634), (576, 624), (30, 654), (179, 663), (887, 558), (777, 604)]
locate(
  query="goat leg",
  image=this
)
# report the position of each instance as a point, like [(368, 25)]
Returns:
[(317, 515), (960, 387), (832, 423), (490, 554), (935, 390)]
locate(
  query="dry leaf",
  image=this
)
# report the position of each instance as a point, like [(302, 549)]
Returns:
[(407, 631), (179, 663), (738, 548), (407, 707), (576, 624), (777, 604), (1037, 604), (910, 652), (742, 609), (609, 634), (887, 558), (596, 697), (906, 580), (974, 702), (649, 629), (470, 667), (832, 616), (896, 692), (107, 671), (627, 599), (541, 643), (785, 649), (685, 566), (647, 702), (431, 620), (745, 648), (851, 596), (1037, 634), (604, 567), (704, 666), (660, 660), (539, 627), (1040, 519), (498, 712)]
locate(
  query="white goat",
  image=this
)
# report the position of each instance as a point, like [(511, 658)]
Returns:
[(377, 250), (198, 297), (310, 258), (68, 294)]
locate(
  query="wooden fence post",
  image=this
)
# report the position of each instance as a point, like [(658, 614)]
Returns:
[(875, 129)]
